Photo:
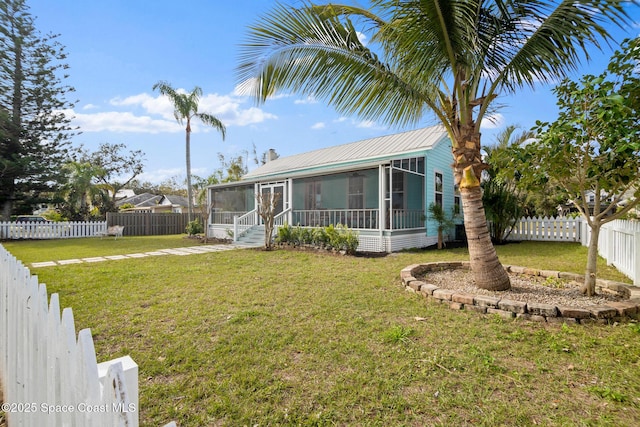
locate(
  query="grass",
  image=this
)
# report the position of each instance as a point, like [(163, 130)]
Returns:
[(301, 338), (53, 250)]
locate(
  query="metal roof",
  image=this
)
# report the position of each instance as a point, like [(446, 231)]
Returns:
[(360, 152)]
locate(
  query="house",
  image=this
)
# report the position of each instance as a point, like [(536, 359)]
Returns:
[(380, 187), (152, 203)]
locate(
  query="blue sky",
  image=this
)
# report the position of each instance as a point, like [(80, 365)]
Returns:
[(118, 49)]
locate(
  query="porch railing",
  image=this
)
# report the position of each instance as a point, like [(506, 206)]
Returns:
[(225, 217), (352, 218), (406, 218), (280, 219), (243, 223)]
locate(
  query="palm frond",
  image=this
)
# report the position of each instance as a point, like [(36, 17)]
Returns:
[(212, 121), (544, 40), (314, 52)]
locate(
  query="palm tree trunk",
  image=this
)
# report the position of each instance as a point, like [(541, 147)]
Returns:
[(189, 190), (487, 270)]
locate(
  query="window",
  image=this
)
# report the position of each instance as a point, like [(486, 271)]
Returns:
[(356, 192), (313, 195), (397, 195), (457, 205), (438, 189), (414, 164)]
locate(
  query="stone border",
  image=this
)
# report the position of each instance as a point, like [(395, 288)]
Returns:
[(509, 309)]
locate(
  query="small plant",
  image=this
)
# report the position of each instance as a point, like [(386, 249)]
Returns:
[(351, 241), (320, 237), (397, 335), (284, 235), (608, 393), (194, 227), (444, 222), (555, 282)]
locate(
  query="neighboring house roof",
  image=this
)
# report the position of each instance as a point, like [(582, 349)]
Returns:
[(123, 193), (174, 200), (355, 153), (140, 200)]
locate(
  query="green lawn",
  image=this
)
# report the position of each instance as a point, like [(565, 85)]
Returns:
[(250, 337), (29, 251)]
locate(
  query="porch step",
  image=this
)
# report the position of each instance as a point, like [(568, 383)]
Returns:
[(254, 237)]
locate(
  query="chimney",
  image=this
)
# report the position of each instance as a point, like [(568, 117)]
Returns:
[(271, 155)]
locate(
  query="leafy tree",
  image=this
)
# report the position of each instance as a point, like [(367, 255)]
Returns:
[(452, 58), (593, 147), (174, 185), (34, 132), (186, 108), (232, 169), (500, 155), (507, 159), (115, 169)]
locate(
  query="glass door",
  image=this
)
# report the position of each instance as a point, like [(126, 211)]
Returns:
[(277, 190)]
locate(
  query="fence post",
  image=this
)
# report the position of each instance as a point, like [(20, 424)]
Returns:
[(235, 228), (636, 250)]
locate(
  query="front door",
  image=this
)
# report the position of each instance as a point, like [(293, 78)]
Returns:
[(278, 190)]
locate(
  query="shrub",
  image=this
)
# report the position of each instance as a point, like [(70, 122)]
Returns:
[(320, 237), (284, 235), (194, 227), (333, 237)]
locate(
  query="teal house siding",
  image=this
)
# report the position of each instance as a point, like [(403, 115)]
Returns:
[(380, 186), (439, 160)]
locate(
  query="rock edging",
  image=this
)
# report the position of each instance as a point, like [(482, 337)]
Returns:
[(509, 309)]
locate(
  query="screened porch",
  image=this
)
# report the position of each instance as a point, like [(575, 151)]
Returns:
[(385, 197), (355, 198)]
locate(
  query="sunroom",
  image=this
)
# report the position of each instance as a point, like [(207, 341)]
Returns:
[(379, 187)]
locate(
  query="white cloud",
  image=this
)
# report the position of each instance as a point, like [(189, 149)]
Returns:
[(341, 119), (157, 176), (121, 122), (362, 37), (159, 105), (368, 124), (90, 107), (144, 113), (493, 121), (319, 125), (307, 100)]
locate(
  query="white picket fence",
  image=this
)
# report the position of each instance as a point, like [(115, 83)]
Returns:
[(51, 230), (50, 378), (618, 243), (548, 229)]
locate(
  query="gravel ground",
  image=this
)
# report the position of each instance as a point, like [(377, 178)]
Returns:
[(523, 288)]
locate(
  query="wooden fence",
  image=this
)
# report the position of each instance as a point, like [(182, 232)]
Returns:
[(50, 230), (151, 224), (50, 378)]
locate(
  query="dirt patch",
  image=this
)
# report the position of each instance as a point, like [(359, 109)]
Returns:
[(526, 288)]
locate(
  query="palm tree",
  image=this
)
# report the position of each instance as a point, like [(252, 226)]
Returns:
[(80, 191), (186, 108), (452, 58)]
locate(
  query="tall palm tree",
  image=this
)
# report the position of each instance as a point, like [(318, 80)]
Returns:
[(452, 58), (186, 108)]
